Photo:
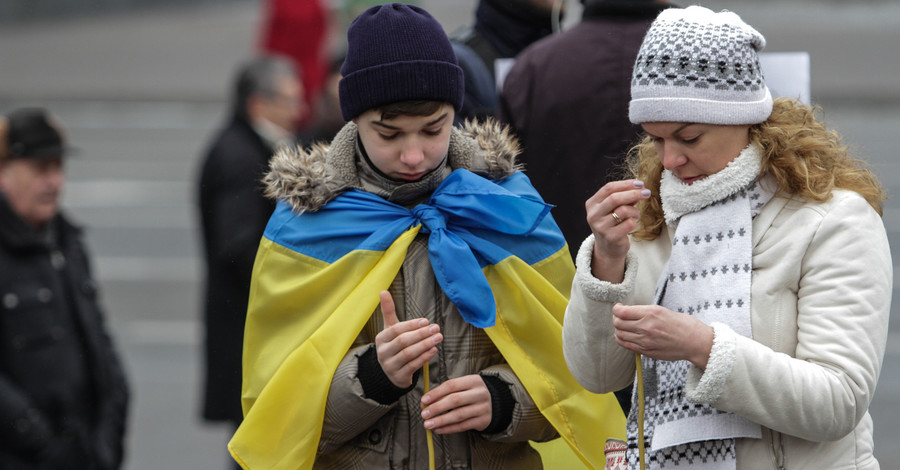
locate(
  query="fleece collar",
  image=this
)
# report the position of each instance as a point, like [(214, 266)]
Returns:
[(679, 198)]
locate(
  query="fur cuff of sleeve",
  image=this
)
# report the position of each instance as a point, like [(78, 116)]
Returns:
[(707, 386), (595, 289)]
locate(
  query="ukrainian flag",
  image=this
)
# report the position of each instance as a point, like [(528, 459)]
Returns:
[(316, 279)]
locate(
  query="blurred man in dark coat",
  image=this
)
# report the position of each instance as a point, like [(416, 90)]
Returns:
[(63, 393), (567, 99), (267, 103), (502, 29)]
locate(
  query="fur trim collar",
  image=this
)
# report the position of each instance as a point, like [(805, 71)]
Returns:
[(679, 199), (307, 179)]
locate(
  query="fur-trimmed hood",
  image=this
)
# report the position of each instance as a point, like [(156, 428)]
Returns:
[(309, 179)]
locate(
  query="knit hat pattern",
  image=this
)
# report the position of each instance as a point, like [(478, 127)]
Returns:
[(397, 52), (699, 66)]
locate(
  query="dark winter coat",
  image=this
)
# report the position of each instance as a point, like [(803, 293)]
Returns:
[(234, 214), (502, 29), (567, 99), (63, 393)]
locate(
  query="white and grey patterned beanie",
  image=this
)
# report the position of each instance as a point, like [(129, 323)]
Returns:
[(697, 65)]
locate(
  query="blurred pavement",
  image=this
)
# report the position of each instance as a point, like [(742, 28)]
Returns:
[(140, 93)]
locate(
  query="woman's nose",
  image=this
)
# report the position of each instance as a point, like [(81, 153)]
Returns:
[(672, 157)]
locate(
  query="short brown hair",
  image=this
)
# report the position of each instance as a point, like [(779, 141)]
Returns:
[(410, 108)]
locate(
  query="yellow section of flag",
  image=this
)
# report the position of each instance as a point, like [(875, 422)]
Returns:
[(304, 314)]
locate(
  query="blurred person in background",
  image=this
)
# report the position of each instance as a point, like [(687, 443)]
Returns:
[(63, 392), (328, 120), (267, 101), (567, 98), (502, 29), (298, 29)]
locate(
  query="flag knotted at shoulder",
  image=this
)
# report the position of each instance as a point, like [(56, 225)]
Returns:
[(496, 254)]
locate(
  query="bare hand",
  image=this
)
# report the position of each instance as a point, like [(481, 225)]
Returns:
[(611, 214), (458, 405), (404, 347), (660, 333)]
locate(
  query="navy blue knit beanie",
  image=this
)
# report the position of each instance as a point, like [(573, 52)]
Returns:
[(397, 52)]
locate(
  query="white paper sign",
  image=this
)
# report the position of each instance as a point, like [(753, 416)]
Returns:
[(787, 74)]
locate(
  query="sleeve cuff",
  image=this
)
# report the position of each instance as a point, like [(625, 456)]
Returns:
[(375, 383), (502, 404), (707, 386), (595, 289)]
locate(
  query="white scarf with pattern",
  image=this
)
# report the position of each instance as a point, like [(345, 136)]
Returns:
[(707, 276)]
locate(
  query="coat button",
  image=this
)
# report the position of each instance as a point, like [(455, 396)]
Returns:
[(374, 436), (58, 260), (22, 425), (44, 295), (10, 301)]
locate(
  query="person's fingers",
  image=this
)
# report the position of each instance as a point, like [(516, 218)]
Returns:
[(458, 405), (393, 328), (408, 352), (467, 413), (409, 346), (627, 312), (388, 311), (475, 422), (409, 334), (614, 187), (441, 391), (616, 197), (401, 373)]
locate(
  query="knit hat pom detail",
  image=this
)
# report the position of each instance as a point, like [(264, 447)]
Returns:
[(700, 66)]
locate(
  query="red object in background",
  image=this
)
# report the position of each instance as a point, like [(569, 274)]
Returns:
[(298, 29)]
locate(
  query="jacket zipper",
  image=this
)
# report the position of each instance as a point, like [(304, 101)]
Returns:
[(777, 449)]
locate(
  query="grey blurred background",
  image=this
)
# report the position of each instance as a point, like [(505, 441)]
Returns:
[(142, 84)]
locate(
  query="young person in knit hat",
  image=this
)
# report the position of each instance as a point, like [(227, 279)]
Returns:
[(746, 263), (400, 282)]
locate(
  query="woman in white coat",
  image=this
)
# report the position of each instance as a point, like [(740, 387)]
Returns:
[(746, 264)]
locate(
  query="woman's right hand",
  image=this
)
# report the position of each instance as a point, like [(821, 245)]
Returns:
[(404, 347), (612, 215)]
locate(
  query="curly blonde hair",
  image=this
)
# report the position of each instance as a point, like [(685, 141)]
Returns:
[(805, 159)]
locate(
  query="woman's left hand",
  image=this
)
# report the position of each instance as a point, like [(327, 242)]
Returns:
[(458, 405), (660, 333)]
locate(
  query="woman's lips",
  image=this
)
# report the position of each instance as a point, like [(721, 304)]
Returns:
[(691, 180)]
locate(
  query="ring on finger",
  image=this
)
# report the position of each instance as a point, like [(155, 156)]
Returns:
[(616, 218)]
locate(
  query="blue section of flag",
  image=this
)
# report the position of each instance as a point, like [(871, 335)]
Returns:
[(473, 222), (345, 224)]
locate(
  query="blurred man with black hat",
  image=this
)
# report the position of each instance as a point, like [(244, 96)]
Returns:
[(63, 393)]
